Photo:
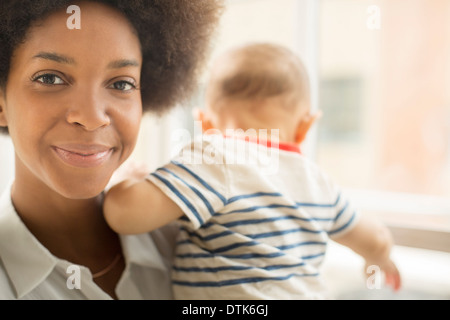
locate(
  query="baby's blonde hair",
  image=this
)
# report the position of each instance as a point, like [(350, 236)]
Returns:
[(256, 72)]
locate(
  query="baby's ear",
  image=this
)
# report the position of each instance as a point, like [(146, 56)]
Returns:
[(3, 122), (199, 115), (305, 124)]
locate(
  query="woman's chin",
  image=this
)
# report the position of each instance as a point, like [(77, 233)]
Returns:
[(82, 191), (83, 195)]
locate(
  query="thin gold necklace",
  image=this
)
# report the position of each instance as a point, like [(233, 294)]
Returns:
[(108, 268)]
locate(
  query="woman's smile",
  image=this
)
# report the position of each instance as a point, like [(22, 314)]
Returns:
[(83, 155)]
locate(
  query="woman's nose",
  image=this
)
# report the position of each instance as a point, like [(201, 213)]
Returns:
[(88, 110)]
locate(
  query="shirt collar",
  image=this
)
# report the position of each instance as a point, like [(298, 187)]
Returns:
[(27, 262), (285, 146)]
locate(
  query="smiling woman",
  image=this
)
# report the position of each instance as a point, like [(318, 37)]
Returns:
[(72, 101)]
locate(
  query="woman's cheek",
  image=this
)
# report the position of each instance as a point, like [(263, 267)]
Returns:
[(128, 125)]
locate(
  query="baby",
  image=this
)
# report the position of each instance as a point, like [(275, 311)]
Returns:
[(247, 233)]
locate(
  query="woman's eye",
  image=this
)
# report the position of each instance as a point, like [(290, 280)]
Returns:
[(49, 79), (123, 86)]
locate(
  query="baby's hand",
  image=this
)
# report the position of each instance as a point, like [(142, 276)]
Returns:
[(391, 273)]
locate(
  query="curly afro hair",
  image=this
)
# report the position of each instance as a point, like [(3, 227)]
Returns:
[(174, 34)]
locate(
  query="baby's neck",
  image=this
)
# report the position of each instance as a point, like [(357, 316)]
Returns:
[(257, 129), (263, 134), (267, 122)]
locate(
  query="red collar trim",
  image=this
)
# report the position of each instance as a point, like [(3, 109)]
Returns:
[(285, 146)]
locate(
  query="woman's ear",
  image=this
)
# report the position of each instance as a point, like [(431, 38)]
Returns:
[(304, 125), (3, 122)]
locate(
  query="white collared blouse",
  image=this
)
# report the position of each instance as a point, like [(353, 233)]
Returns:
[(28, 271)]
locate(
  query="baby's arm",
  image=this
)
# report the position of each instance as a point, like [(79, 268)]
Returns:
[(373, 241), (133, 207)]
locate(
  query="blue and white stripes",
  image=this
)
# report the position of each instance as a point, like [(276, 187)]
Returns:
[(248, 233)]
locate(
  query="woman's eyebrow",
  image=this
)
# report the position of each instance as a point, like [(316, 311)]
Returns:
[(117, 64), (122, 63), (55, 57)]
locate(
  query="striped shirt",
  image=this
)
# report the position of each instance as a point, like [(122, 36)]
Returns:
[(258, 217)]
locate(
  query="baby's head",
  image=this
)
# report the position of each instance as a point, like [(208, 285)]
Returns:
[(258, 86)]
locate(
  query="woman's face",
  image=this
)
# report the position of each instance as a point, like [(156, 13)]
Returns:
[(72, 102)]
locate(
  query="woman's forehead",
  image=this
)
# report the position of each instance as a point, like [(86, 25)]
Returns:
[(104, 33)]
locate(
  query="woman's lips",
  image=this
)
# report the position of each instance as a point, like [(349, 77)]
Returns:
[(83, 156)]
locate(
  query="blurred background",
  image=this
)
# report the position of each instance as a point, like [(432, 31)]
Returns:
[(380, 72)]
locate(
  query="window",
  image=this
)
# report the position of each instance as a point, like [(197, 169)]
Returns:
[(384, 70)]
